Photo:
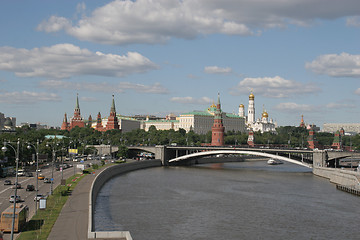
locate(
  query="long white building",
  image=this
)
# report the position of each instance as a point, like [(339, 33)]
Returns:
[(198, 121)]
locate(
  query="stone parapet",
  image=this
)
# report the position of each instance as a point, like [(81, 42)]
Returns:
[(99, 182)]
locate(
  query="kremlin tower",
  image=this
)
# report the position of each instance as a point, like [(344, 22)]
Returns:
[(76, 120), (218, 127), (99, 126), (65, 124), (112, 122)]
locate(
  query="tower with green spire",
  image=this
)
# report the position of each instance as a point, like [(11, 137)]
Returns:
[(76, 120), (112, 122), (218, 129)]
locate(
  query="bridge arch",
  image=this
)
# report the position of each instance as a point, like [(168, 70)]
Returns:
[(216, 152)]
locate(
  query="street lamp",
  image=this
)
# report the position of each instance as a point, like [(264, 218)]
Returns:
[(52, 167), (4, 149), (37, 168)]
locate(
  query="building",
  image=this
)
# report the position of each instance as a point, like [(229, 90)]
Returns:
[(217, 130), (126, 124), (201, 122), (263, 124), (7, 124), (161, 124)]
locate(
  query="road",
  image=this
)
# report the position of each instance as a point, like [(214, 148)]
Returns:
[(28, 196)]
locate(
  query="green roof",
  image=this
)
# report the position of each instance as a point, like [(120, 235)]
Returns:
[(198, 113)]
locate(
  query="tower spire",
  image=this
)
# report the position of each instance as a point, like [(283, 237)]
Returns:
[(77, 101), (112, 109)]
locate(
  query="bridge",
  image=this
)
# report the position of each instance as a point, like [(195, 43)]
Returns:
[(177, 155)]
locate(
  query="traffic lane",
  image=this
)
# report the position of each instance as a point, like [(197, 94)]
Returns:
[(28, 196), (44, 188)]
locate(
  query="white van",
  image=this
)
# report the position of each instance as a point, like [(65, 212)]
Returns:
[(21, 172)]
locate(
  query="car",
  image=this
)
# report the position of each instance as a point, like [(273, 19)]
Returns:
[(18, 198), (30, 187), (39, 170), (7, 182), (29, 174), (41, 177), (18, 185), (47, 180), (38, 197)]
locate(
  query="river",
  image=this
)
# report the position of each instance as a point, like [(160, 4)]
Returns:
[(245, 200)]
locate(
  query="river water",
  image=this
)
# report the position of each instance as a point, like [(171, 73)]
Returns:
[(245, 200)]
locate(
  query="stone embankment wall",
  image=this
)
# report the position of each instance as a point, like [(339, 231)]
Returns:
[(339, 176), (99, 181)]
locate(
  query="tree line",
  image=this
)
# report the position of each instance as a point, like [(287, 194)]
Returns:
[(79, 138)]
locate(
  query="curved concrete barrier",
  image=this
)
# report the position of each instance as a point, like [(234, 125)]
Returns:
[(97, 184)]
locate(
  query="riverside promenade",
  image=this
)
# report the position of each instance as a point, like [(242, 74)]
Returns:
[(72, 222)]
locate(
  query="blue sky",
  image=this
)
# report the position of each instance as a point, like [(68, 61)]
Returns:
[(300, 57)]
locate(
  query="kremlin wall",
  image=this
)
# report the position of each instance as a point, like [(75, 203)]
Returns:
[(201, 122)]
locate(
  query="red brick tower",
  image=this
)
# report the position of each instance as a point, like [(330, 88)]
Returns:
[(251, 139), (337, 141), (65, 124), (217, 129), (112, 122), (313, 143), (99, 126), (302, 123), (77, 120), (90, 121)]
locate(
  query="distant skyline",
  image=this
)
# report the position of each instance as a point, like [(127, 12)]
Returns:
[(299, 57)]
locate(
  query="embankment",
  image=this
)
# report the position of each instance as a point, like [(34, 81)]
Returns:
[(344, 178), (99, 181)]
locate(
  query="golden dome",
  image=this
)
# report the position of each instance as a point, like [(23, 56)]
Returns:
[(213, 105), (265, 115), (241, 105), (251, 96)]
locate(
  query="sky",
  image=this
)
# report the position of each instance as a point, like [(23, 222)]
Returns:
[(298, 57)]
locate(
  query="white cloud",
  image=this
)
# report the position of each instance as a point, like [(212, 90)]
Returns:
[(343, 65), (294, 107), (217, 70), (353, 21), (156, 88), (147, 21), (66, 60), (26, 97), (275, 87), (337, 106), (191, 100)]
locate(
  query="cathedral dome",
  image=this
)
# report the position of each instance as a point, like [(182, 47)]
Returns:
[(265, 115), (241, 106), (251, 96)]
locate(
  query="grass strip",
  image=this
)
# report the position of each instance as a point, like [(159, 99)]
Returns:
[(41, 224)]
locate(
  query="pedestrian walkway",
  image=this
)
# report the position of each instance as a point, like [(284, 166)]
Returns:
[(72, 222)]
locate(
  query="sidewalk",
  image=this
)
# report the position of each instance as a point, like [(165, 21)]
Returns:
[(72, 222)]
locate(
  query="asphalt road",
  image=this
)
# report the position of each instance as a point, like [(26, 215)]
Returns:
[(28, 196)]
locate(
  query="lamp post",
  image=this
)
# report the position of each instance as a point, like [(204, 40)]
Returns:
[(52, 167), (37, 169), (4, 149)]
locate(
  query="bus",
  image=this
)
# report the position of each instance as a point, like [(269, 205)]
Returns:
[(21, 215)]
